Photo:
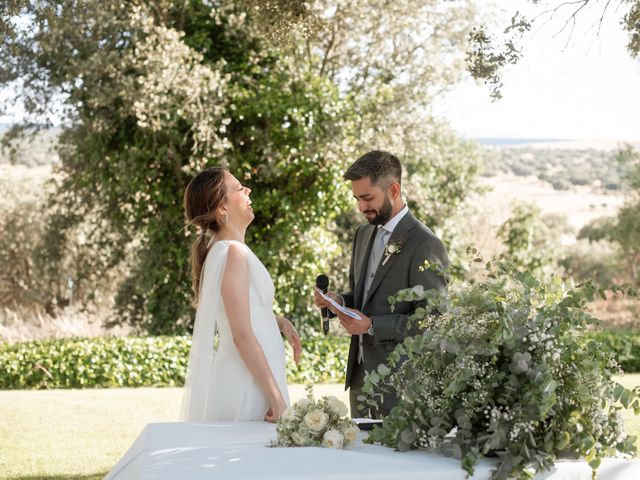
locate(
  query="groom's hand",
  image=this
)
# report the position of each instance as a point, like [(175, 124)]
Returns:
[(322, 303), (353, 326)]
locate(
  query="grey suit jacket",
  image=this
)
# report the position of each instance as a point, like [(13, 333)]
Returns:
[(401, 271)]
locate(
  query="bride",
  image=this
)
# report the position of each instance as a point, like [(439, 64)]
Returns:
[(245, 378)]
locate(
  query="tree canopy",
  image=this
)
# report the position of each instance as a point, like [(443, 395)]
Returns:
[(150, 93)]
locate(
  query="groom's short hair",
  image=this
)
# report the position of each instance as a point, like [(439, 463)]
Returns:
[(382, 167)]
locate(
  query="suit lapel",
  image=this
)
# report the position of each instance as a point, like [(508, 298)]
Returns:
[(367, 243), (399, 236)]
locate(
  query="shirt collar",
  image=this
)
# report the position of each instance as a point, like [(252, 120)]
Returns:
[(391, 225)]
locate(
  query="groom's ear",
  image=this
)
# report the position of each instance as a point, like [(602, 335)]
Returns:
[(394, 190)]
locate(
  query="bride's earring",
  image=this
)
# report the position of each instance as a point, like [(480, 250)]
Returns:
[(226, 219)]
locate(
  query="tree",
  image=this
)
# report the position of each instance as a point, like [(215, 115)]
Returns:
[(152, 92), (389, 67), (531, 240), (627, 235), (626, 231), (623, 229)]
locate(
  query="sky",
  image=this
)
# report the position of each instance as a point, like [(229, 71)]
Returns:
[(586, 89)]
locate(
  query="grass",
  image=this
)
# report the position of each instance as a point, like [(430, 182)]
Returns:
[(81, 434)]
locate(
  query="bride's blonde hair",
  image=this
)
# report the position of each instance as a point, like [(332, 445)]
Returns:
[(202, 197)]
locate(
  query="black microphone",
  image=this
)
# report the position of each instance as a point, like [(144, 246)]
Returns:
[(322, 282)]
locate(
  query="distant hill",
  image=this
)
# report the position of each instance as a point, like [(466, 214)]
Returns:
[(516, 141), (562, 163)]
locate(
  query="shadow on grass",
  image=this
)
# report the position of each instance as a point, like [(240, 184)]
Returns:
[(92, 476)]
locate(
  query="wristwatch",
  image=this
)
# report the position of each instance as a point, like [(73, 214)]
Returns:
[(370, 331)]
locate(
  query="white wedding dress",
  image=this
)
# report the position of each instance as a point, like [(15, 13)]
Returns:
[(219, 387)]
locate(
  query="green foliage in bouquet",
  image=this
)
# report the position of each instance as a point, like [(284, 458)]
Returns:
[(311, 423), (510, 370)]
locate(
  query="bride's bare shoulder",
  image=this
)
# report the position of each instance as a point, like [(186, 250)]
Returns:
[(236, 252), (229, 244)]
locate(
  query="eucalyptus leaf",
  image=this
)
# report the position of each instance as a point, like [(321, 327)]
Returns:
[(408, 437)]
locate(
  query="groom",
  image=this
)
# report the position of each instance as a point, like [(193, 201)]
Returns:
[(387, 256)]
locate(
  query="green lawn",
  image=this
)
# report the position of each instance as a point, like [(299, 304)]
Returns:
[(81, 434)]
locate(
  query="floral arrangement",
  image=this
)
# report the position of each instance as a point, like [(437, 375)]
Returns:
[(393, 247), (508, 370), (310, 423)]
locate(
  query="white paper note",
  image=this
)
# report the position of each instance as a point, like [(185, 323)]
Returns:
[(339, 307)]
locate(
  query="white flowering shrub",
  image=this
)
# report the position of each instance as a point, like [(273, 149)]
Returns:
[(311, 422), (175, 86), (509, 369)]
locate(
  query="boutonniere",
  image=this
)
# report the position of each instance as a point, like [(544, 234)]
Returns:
[(392, 248)]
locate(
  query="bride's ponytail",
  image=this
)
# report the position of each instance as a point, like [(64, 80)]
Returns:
[(198, 254), (202, 197)]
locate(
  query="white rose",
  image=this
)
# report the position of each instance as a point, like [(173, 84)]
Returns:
[(289, 414), (298, 439), (302, 403), (332, 439), (337, 406), (351, 433), (316, 420)]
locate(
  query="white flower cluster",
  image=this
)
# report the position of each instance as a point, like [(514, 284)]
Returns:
[(617, 434), (431, 395), (316, 423), (519, 428), (545, 341), (498, 413)]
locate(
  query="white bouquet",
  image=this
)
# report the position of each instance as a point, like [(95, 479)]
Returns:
[(309, 423)]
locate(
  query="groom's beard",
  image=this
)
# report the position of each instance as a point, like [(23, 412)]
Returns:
[(384, 214)]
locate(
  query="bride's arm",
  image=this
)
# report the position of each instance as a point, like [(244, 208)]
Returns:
[(235, 294)]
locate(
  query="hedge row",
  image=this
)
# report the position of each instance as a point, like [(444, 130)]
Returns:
[(140, 361), (626, 346), (162, 361)]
